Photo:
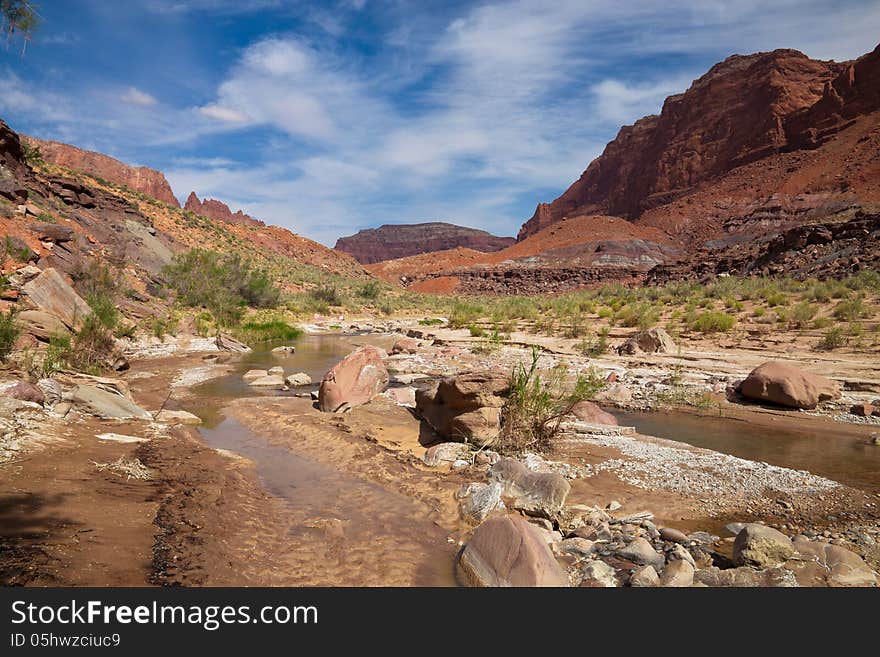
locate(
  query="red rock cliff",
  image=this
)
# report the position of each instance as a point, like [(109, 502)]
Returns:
[(742, 110), (141, 179)]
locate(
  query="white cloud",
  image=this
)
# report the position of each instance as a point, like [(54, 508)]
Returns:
[(134, 96), (224, 114)]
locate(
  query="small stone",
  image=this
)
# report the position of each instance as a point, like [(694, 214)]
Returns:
[(674, 535), (644, 577), (598, 574), (613, 505), (677, 573), (298, 379), (253, 375), (276, 371), (578, 547), (641, 552)]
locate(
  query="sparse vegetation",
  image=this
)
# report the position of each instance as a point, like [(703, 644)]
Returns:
[(9, 333), (713, 321), (224, 284), (271, 331), (536, 405)]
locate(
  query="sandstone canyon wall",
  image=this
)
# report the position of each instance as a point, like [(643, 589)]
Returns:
[(743, 110), (219, 211)]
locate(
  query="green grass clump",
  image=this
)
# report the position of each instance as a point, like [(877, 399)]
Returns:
[(270, 331), (713, 321)]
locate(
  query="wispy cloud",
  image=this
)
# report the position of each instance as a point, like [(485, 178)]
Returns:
[(337, 116), (134, 96)]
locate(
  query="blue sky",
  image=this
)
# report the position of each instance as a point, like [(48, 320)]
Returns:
[(330, 117)]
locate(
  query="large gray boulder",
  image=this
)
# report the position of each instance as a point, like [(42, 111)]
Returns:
[(761, 546), (105, 404), (536, 493), (510, 551)]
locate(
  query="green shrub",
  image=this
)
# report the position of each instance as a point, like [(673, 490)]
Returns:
[(225, 284), (430, 322), (370, 290), (476, 331), (9, 333), (595, 345), (833, 338), (801, 314), (850, 310), (464, 313), (327, 294), (713, 321)]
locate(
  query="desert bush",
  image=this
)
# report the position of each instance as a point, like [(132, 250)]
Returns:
[(850, 310), (476, 331), (328, 294), (595, 345), (225, 284), (801, 314), (370, 290), (833, 338), (712, 321), (9, 333), (536, 406)]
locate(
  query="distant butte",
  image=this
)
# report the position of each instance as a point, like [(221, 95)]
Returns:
[(393, 241)]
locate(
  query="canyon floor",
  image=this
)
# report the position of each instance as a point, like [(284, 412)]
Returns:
[(269, 491)]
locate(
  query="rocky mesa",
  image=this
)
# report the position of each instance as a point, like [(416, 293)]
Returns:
[(393, 241)]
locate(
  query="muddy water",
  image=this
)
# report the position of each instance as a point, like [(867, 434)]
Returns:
[(833, 452), (344, 530)]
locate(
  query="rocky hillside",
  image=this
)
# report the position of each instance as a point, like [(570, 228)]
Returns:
[(64, 219), (141, 179), (219, 211), (393, 241), (742, 111)]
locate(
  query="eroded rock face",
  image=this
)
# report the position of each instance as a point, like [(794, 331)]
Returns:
[(353, 381), (509, 551), (219, 211), (401, 240), (24, 391), (41, 324), (732, 115), (141, 179), (52, 294), (105, 404), (465, 407), (786, 385)]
